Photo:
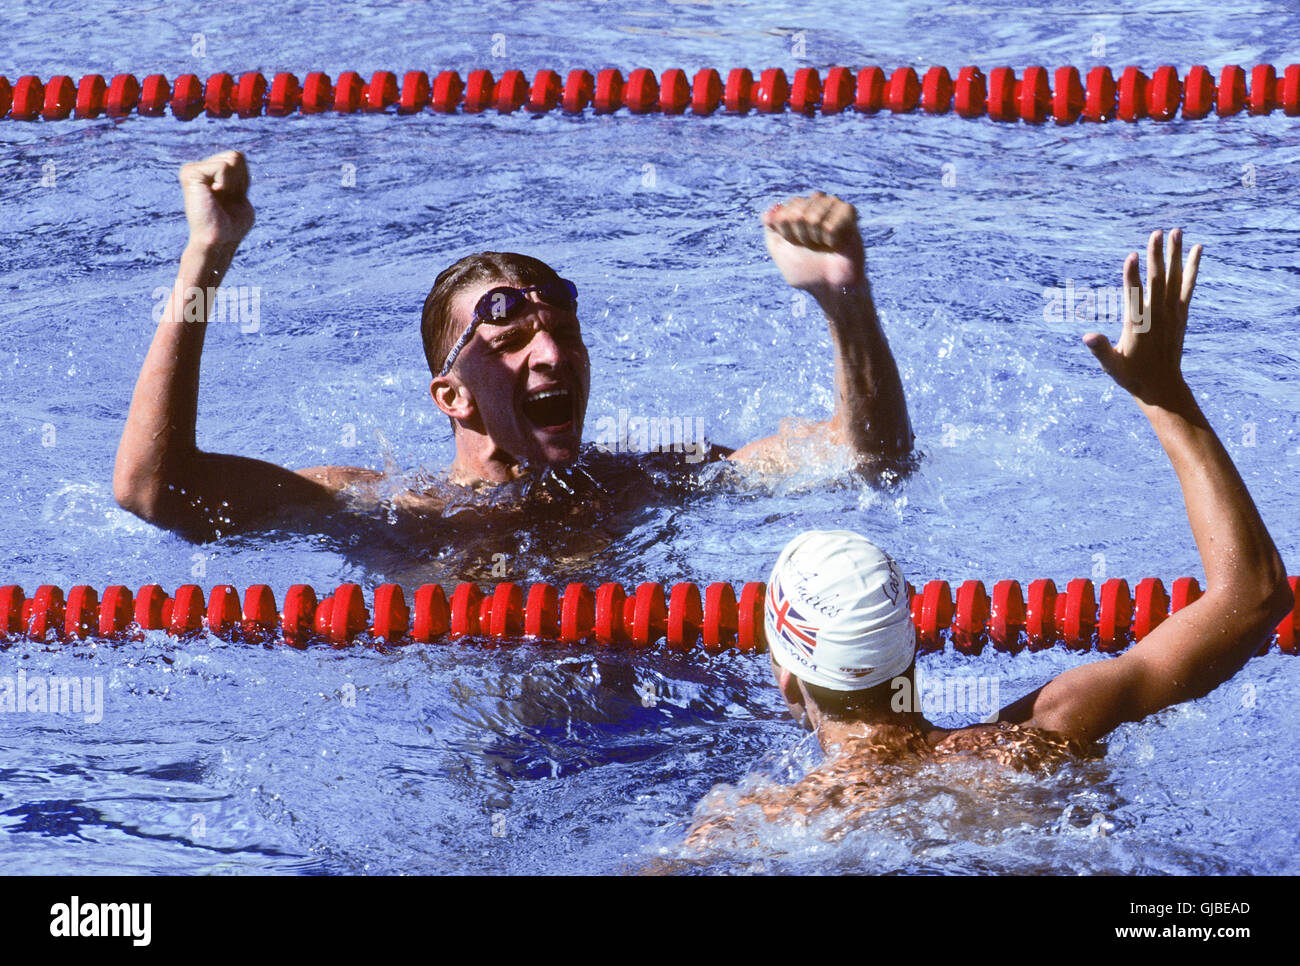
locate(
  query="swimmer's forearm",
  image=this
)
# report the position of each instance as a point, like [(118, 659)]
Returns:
[(1240, 560), (870, 405), (159, 432)]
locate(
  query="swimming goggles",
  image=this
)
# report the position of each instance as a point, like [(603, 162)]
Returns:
[(501, 304)]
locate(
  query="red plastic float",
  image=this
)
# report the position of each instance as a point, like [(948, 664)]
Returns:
[(1263, 89), (649, 615), (970, 617), (260, 614), (1131, 94), (1150, 607), (544, 94), (1067, 95), (806, 91), (706, 92), (448, 89), (751, 636), (381, 93), (937, 91), (1288, 631), (466, 610), (217, 94), (1002, 94), (250, 95), (936, 615), (1164, 93), (299, 615), (578, 90), (317, 94), (685, 615), (223, 615), (721, 617), (674, 91), (1114, 615), (608, 97), (432, 617), (1040, 614), (1289, 97), (542, 613), (286, 96), (837, 91), (1034, 96), (902, 91), (349, 91), (1007, 616), (123, 95), (507, 612), (970, 93), (81, 617), (1232, 91), (772, 92), (869, 95), (1099, 96), (91, 91), (188, 611), (1186, 590), (512, 92), (577, 613), (736, 95), (642, 91), (1199, 93), (28, 98), (60, 98), (149, 614)]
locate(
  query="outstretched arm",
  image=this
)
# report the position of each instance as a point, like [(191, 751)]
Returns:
[(160, 474), (816, 244), (1197, 649)]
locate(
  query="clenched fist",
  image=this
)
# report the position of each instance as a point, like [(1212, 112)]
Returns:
[(815, 242), (216, 200)]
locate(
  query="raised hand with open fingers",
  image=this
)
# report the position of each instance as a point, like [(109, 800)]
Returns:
[(1148, 359)]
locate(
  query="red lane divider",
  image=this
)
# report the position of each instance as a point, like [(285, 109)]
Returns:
[(1032, 97), (1081, 616)]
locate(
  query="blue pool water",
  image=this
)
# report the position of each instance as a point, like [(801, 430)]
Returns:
[(215, 758)]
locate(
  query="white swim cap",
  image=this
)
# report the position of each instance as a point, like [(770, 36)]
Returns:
[(837, 613)]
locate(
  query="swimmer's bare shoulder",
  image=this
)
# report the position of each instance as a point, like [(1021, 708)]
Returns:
[(853, 780), (336, 478), (363, 486)]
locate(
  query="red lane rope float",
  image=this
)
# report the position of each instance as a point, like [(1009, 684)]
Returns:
[(1033, 97), (1083, 615)]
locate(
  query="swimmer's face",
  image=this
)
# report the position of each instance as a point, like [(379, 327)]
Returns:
[(527, 378)]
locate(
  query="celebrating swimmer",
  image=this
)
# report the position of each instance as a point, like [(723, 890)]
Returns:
[(509, 365), (843, 646)]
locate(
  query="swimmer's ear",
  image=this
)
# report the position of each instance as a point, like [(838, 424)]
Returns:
[(452, 397)]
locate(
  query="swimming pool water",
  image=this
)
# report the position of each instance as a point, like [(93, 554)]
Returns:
[(218, 758)]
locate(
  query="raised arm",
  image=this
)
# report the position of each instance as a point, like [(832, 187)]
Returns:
[(1197, 649), (816, 244), (160, 474)]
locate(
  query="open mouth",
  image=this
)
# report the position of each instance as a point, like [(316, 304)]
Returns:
[(550, 409)]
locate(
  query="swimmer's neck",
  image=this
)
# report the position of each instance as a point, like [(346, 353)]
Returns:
[(885, 727), (479, 460)]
